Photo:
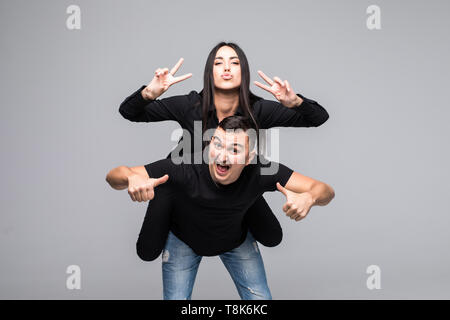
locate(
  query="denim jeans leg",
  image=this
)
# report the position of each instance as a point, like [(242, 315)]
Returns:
[(179, 269), (246, 268)]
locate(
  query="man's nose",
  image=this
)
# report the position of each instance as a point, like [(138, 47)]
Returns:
[(222, 157)]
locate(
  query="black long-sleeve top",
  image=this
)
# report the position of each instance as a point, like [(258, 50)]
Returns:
[(185, 109)]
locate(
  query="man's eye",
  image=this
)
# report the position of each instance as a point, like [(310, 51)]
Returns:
[(218, 145), (236, 62), (217, 63)]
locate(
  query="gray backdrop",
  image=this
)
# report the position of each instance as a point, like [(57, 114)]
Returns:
[(384, 148)]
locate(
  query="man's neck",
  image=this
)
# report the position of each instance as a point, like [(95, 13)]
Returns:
[(226, 102)]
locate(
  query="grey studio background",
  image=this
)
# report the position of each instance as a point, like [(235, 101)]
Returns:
[(384, 148)]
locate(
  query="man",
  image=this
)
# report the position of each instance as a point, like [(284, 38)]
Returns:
[(210, 200)]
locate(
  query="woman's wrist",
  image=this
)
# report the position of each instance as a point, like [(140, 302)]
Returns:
[(146, 94), (298, 101), (295, 103)]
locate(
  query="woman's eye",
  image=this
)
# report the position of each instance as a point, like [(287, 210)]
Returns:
[(221, 63)]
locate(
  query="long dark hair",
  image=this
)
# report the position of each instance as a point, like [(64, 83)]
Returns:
[(246, 97)]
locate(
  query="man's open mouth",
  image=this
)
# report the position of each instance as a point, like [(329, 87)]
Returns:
[(222, 169)]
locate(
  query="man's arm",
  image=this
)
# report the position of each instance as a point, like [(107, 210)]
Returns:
[(136, 179), (321, 193), (118, 177), (302, 193)]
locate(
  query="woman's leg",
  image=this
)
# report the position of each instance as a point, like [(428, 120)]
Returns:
[(156, 224), (179, 269), (263, 224), (246, 268)]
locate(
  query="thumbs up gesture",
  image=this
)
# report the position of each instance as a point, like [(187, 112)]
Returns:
[(297, 205), (143, 189)]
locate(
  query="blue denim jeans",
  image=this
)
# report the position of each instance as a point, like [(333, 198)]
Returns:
[(244, 264)]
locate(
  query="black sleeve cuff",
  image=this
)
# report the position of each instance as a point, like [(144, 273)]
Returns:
[(138, 96), (306, 107)]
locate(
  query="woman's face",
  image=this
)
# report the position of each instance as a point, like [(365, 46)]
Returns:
[(227, 69)]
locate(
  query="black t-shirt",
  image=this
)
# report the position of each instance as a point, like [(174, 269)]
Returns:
[(208, 216)]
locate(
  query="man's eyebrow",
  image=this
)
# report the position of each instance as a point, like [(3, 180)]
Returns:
[(216, 137), (234, 57)]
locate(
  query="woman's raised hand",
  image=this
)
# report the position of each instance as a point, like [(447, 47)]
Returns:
[(281, 90), (162, 80)]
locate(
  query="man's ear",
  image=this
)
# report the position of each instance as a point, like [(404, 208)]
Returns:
[(251, 155)]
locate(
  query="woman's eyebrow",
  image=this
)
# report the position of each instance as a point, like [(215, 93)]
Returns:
[(230, 57)]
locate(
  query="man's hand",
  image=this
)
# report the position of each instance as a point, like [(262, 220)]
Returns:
[(141, 188), (162, 80), (297, 205)]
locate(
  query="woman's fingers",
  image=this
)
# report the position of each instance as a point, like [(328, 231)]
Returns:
[(266, 78), (176, 66), (161, 72), (278, 80), (181, 78), (263, 86), (288, 87)]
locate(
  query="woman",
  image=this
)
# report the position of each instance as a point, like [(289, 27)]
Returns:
[(226, 92)]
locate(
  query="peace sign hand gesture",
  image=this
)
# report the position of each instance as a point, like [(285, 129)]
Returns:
[(162, 80), (297, 205), (281, 90)]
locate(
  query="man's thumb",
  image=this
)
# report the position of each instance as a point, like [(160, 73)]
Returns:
[(282, 189), (161, 180)]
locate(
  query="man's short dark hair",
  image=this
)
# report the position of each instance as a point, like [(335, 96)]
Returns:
[(240, 122)]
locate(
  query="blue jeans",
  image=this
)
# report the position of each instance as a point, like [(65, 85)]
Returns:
[(244, 264)]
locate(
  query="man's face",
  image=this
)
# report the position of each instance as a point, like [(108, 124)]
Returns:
[(228, 155), (227, 69)]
